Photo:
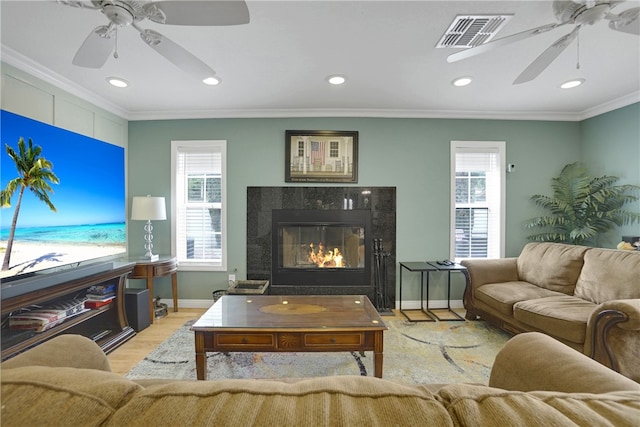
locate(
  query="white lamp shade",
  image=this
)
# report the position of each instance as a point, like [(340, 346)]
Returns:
[(148, 208)]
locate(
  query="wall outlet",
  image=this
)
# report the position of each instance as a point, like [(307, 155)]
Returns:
[(232, 277)]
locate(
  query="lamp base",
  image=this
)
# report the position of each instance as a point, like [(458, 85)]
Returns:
[(150, 257)]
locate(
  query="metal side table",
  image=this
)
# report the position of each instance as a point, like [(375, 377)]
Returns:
[(448, 269), (418, 267)]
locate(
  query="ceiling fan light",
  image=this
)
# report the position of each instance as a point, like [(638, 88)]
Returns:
[(117, 82), (572, 83), (462, 81), (212, 81), (336, 79)]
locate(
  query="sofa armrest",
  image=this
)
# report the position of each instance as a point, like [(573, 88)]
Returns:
[(533, 361), (613, 335), (629, 309), (483, 271), (73, 351)]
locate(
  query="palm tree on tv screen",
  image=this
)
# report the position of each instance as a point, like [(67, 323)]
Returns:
[(34, 173)]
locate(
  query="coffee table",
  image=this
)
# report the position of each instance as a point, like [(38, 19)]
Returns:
[(270, 323)]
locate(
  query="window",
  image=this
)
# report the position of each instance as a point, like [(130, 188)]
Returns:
[(334, 149), (300, 148), (198, 207), (477, 199)]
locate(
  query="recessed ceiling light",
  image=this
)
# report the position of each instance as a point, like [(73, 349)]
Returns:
[(212, 81), (117, 82), (461, 81), (572, 83), (337, 79)]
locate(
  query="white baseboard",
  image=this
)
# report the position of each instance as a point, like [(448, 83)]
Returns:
[(406, 305), (433, 304), (189, 303)]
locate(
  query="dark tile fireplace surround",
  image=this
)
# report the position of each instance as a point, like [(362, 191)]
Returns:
[(377, 205)]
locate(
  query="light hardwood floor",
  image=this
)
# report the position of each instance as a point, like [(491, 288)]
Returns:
[(128, 355)]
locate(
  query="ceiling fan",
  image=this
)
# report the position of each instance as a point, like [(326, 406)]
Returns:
[(102, 41), (576, 12)]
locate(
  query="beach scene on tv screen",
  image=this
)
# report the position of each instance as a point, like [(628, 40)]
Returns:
[(88, 222)]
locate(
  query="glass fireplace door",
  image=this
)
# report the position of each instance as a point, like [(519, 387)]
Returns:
[(322, 246)]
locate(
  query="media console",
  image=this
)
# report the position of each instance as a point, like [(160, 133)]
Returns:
[(106, 325)]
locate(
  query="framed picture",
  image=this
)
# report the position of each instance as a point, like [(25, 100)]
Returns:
[(321, 156)]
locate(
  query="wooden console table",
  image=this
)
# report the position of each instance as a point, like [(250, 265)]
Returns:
[(165, 265)]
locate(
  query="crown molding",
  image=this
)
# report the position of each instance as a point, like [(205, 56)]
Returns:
[(364, 113), (23, 63), (623, 101)]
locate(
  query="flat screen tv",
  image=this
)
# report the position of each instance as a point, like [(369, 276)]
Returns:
[(88, 224)]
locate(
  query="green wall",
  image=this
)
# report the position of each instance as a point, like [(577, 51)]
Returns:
[(611, 146), (410, 154)]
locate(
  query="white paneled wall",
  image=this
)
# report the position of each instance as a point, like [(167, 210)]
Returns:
[(22, 98), (28, 96)]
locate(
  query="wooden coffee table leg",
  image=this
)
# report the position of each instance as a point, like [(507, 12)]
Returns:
[(377, 354), (201, 356)]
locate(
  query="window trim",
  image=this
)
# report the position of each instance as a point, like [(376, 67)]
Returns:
[(479, 146), (176, 146)]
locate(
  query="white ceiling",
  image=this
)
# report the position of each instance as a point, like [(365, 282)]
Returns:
[(276, 65)]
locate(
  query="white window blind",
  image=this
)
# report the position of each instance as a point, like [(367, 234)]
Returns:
[(477, 199), (198, 204)]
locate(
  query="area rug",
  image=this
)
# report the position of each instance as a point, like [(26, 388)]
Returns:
[(414, 353)]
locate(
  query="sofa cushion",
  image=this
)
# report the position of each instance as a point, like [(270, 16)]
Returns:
[(40, 396), (562, 316), (485, 406), (609, 274), (329, 401), (502, 296), (55, 353), (553, 266)]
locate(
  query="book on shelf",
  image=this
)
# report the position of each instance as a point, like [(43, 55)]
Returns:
[(101, 289), (43, 318), (98, 297), (93, 304)]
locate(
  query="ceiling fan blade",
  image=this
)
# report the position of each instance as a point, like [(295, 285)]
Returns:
[(627, 21), (176, 54), (493, 44), (96, 48), (547, 57), (79, 4), (225, 12)]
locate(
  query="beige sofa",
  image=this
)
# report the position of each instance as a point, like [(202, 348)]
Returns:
[(535, 380), (588, 298)]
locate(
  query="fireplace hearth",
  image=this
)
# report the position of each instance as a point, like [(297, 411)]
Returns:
[(342, 221)]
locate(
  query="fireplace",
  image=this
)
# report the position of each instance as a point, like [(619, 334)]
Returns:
[(336, 207), (321, 247)]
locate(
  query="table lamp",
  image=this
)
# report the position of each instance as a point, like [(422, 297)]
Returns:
[(147, 208)]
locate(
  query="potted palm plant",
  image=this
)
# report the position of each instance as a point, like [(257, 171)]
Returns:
[(582, 207)]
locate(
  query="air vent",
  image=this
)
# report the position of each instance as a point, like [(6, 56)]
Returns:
[(472, 30)]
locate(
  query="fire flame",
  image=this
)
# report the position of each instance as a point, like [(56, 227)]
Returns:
[(319, 257)]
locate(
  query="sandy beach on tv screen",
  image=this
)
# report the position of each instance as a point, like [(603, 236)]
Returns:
[(27, 257)]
